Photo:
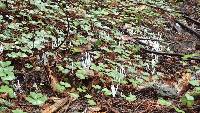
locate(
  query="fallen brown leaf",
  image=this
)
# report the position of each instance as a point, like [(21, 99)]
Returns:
[(183, 83), (57, 105)]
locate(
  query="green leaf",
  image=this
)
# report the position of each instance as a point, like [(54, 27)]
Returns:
[(10, 76), (2, 74), (91, 102), (62, 86), (187, 56), (2, 5), (5, 102), (88, 96), (67, 85), (178, 110), (131, 98), (74, 95), (81, 74), (5, 64), (63, 70), (194, 82), (6, 71), (106, 92), (18, 111), (27, 65), (2, 109), (189, 97), (197, 89), (187, 100), (164, 102), (36, 98), (7, 89), (82, 89), (96, 86)]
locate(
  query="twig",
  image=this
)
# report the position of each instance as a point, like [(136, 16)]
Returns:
[(65, 108), (172, 19), (53, 79), (57, 105), (112, 109), (169, 54), (191, 19), (162, 53), (55, 49), (66, 37), (189, 29)]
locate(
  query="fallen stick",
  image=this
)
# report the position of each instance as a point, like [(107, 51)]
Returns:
[(65, 108), (191, 19), (169, 54), (189, 29), (57, 105)]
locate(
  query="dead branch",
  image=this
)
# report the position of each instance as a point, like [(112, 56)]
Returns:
[(58, 105), (66, 107), (168, 54), (172, 19), (188, 29), (191, 19)]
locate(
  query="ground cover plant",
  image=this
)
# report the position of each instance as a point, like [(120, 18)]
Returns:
[(99, 56)]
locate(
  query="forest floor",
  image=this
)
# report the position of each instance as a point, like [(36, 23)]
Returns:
[(100, 56)]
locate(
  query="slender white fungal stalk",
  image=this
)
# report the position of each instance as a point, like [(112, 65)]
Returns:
[(18, 87), (122, 71), (44, 58), (114, 90), (1, 48), (86, 61)]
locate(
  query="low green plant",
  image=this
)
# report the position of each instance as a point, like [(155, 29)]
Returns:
[(8, 90), (16, 54), (6, 71), (169, 104), (106, 92), (3, 108), (130, 97), (164, 102), (90, 101), (100, 68), (197, 69), (18, 111), (136, 82), (82, 89), (96, 86), (6, 103), (36, 98), (196, 91), (117, 76), (194, 82), (187, 100), (74, 95), (29, 66), (188, 56), (61, 86), (63, 70), (81, 74), (2, 5)]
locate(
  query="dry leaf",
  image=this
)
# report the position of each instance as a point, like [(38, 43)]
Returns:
[(93, 109), (142, 7), (57, 105), (54, 80), (183, 83), (126, 38)]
